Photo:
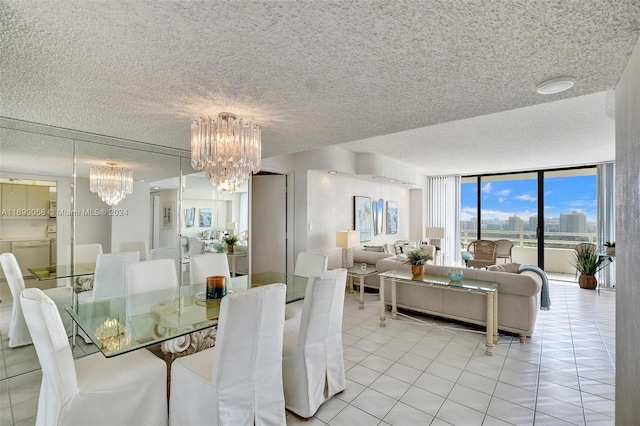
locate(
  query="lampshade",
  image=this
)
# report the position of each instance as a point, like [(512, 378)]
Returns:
[(347, 239), (111, 183), (228, 149), (434, 232), (232, 225)]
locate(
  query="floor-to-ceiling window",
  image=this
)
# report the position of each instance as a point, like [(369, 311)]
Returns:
[(544, 213)]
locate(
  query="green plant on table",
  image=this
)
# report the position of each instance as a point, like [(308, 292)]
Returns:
[(610, 244), (230, 240), (588, 262), (417, 257)]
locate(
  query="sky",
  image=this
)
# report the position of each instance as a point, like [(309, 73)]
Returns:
[(503, 199)]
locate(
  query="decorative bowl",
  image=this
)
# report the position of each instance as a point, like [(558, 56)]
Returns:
[(455, 275)]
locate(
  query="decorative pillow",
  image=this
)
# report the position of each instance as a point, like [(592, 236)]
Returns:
[(379, 249), (512, 268), (402, 257)]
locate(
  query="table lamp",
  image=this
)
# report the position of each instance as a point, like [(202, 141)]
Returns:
[(434, 233), (347, 240)]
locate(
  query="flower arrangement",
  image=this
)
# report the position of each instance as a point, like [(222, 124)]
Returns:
[(417, 257), (230, 240)]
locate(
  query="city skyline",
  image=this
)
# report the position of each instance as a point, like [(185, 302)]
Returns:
[(508, 198)]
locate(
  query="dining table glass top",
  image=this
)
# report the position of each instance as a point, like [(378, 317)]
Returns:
[(62, 271), (442, 280), (131, 322)]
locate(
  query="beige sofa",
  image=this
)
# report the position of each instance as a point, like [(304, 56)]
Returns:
[(518, 297)]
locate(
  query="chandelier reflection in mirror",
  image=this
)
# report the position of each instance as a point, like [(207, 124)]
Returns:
[(111, 183), (228, 149)]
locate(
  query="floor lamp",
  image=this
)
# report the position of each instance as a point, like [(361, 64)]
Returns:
[(347, 240)]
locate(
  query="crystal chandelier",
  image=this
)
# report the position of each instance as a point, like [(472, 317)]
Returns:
[(227, 149), (111, 183)]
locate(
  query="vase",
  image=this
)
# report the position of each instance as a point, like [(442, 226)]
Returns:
[(588, 282), (610, 251), (230, 248), (417, 270)]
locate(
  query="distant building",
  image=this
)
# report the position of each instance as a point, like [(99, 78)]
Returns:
[(516, 224), (533, 223), (573, 222)]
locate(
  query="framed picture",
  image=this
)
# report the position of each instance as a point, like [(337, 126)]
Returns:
[(205, 218), (378, 208), (189, 217), (167, 215), (362, 217), (392, 217)]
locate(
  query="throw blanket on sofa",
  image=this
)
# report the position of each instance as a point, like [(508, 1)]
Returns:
[(545, 301)]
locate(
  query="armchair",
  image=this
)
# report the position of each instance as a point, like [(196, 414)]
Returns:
[(484, 253)]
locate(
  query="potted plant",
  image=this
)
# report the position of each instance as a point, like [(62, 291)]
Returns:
[(230, 241), (610, 248), (417, 258), (588, 263)]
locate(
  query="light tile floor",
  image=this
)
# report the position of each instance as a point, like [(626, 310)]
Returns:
[(406, 374)]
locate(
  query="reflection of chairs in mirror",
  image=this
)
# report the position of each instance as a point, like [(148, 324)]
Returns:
[(18, 332), (139, 246), (74, 392), (504, 250), (239, 380), (483, 252), (84, 253)]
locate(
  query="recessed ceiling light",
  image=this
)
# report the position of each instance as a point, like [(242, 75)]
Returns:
[(332, 172), (156, 187), (555, 85)]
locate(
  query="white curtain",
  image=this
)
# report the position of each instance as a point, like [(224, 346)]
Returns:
[(606, 211), (443, 210)]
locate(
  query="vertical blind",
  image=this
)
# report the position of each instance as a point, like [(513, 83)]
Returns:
[(443, 210)]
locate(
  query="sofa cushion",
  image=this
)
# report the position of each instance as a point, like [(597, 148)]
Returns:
[(368, 257), (513, 268), (379, 249)]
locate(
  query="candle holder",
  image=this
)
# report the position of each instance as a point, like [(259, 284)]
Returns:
[(216, 287)]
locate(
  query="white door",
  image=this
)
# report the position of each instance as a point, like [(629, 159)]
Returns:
[(268, 236)]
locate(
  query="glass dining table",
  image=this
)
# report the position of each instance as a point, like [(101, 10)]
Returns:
[(131, 322)]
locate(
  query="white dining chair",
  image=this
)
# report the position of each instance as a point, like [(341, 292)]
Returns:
[(307, 265), (202, 266), (238, 382), (18, 331), (139, 246), (84, 253), (312, 357), (172, 253), (125, 389), (110, 276), (151, 275)]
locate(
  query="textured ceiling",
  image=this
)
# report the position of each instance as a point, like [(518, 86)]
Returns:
[(318, 73)]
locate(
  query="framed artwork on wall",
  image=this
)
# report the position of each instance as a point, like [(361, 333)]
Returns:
[(362, 217), (167, 214), (204, 218), (378, 209), (392, 217), (189, 217)]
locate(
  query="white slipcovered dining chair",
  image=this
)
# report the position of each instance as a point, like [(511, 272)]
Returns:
[(151, 275), (84, 253), (172, 253), (126, 389), (110, 276), (312, 357), (202, 266), (238, 382), (139, 246), (18, 331), (307, 265)]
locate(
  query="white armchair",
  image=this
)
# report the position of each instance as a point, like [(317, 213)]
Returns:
[(312, 357), (18, 331), (127, 389), (238, 382)]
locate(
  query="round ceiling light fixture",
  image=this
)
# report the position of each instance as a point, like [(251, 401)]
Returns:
[(555, 85)]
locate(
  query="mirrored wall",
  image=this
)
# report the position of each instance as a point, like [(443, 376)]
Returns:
[(170, 206)]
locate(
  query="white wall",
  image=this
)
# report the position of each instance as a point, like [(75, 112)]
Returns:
[(330, 209), (628, 226)]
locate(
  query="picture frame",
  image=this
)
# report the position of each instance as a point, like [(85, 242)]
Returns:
[(167, 214), (204, 218), (362, 217), (189, 217), (392, 217)]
